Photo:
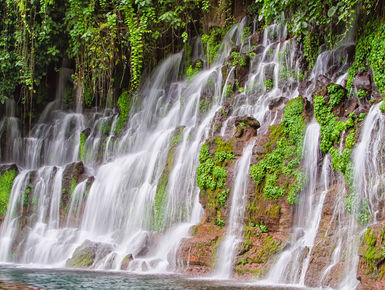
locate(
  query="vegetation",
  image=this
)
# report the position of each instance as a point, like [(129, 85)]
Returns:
[(373, 252), (277, 174), (107, 43), (212, 175), (6, 181), (331, 133)]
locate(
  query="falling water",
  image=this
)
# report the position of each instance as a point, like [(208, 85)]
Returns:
[(228, 247), (126, 209)]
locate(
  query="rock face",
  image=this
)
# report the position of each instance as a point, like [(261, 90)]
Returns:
[(267, 223), (89, 254), (371, 269)]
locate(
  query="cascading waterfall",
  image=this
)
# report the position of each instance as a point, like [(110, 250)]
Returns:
[(272, 79), (123, 208), (144, 200), (227, 248), (368, 166)]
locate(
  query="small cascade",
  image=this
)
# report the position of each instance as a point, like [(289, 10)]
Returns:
[(292, 264), (77, 203), (228, 247), (13, 218), (272, 79), (10, 135), (368, 166)]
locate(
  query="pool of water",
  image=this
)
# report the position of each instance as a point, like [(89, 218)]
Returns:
[(16, 277)]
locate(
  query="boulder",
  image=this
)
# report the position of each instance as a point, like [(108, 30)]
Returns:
[(246, 127), (126, 260), (363, 81), (88, 254)]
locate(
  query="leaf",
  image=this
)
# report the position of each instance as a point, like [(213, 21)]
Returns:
[(332, 11)]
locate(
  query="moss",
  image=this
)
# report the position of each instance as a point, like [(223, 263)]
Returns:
[(373, 252), (273, 212), (6, 181), (73, 185), (82, 260), (269, 248), (160, 200), (269, 84), (331, 134), (276, 172), (212, 176), (27, 194), (370, 52), (124, 103), (82, 144), (382, 107)]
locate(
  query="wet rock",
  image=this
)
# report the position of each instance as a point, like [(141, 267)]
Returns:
[(371, 267), (351, 106), (88, 254), (277, 102), (200, 250), (322, 82), (73, 174), (86, 132), (260, 145), (246, 127), (363, 81), (242, 72), (126, 261), (6, 167)]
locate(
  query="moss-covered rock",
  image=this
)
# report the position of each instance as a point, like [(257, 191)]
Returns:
[(88, 254)]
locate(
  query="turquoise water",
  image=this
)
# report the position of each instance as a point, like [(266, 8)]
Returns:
[(71, 279)]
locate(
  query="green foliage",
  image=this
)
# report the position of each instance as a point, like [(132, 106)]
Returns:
[(210, 173), (336, 93), (373, 252), (220, 222), (278, 168), (362, 94), (238, 59), (82, 145), (222, 197), (191, 72), (370, 52), (269, 84), (382, 107), (73, 185), (6, 181), (263, 228), (124, 107)]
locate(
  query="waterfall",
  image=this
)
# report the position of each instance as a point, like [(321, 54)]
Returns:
[(143, 199), (132, 195), (227, 248)]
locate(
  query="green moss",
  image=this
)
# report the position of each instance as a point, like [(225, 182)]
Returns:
[(6, 181), (269, 248), (373, 252), (362, 94), (212, 176), (124, 103), (81, 260), (73, 185), (83, 139), (193, 70), (370, 52), (269, 84), (161, 198), (382, 107), (276, 171)]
